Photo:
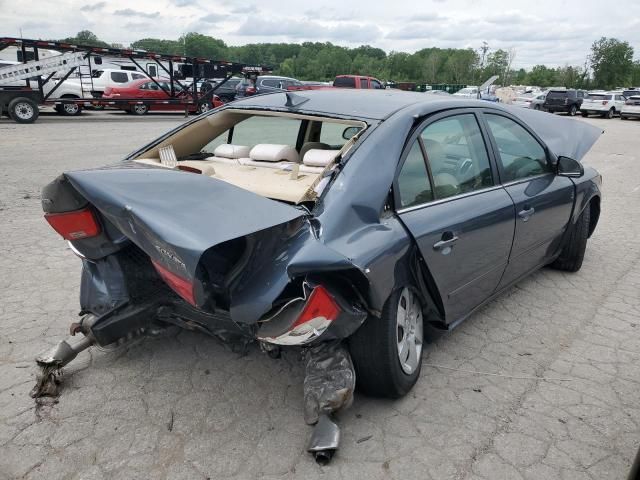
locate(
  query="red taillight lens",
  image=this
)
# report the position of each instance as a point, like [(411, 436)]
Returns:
[(74, 225), (250, 90), (320, 305), (181, 286), (604, 102)]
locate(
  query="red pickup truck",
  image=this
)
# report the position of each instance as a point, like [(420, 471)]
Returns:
[(357, 81), (343, 81)]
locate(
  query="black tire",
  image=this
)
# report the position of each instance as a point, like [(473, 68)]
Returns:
[(23, 110), (139, 109), (204, 107), (622, 117), (610, 113), (572, 254), (536, 107), (584, 114), (374, 350), (572, 110), (69, 109)]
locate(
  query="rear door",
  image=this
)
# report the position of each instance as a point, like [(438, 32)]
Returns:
[(447, 196), (543, 200)]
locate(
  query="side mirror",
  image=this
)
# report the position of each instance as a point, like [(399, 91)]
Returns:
[(568, 167), (349, 132)]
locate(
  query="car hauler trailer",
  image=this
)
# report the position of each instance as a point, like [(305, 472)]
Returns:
[(21, 102)]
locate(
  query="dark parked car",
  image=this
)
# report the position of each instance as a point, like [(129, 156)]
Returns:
[(226, 92), (267, 84), (337, 221), (564, 100)]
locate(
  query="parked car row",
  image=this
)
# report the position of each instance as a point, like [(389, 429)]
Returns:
[(625, 103)]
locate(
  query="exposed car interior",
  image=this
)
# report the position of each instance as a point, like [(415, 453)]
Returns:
[(277, 155)]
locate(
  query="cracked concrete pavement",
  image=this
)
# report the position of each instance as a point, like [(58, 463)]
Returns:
[(559, 355)]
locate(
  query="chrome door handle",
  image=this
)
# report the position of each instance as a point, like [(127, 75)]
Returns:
[(526, 213), (445, 243)]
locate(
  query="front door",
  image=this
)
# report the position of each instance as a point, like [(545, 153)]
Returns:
[(543, 200), (461, 218)]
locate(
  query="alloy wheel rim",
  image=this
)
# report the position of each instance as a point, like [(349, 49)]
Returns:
[(140, 109), (409, 330), (24, 111), (71, 108)]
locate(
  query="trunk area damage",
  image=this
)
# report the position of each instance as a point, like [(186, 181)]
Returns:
[(172, 247)]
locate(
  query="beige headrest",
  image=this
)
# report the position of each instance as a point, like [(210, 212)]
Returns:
[(266, 152), (319, 158), (226, 150)]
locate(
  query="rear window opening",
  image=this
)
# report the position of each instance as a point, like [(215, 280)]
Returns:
[(282, 156), (597, 96)]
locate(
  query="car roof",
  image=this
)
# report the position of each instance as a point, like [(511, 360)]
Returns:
[(353, 103)]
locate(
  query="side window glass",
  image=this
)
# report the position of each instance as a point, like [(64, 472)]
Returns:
[(119, 77), (520, 153), (457, 156), (413, 182)]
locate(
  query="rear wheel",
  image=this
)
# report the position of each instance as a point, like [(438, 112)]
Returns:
[(584, 114), (572, 110), (611, 113), (69, 109), (387, 351), (139, 109), (572, 254), (536, 107), (23, 110)]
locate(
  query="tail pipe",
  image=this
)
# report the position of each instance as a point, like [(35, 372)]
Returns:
[(324, 440), (64, 352)]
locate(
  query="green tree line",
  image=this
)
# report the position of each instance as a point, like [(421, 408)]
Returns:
[(610, 63)]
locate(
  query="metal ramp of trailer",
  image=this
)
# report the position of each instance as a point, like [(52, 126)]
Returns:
[(172, 66), (57, 63)]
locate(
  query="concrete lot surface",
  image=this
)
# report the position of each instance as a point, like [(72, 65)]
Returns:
[(543, 383)]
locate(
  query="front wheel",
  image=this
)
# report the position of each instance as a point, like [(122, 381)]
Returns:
[(387, 351), (204, 107), (23, 110), (584, 114)]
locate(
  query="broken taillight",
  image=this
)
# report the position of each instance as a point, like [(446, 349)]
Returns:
[(181, 286), (74, 225), (321, 307), (317, 314)]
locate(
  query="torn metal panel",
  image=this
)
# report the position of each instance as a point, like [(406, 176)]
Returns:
[(329, 380), (176, 229)]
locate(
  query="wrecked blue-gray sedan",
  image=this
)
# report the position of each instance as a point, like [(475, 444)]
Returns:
[(337, 221)]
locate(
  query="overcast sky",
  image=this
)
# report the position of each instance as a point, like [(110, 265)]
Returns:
[(553, 32)]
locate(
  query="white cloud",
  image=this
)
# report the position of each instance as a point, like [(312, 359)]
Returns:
[(538, 31)]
